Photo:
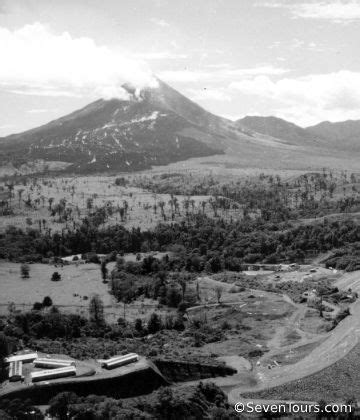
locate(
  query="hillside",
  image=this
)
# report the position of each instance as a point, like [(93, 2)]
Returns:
[(276, 127), (340, 135)]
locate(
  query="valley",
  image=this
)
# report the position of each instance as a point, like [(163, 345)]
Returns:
[(241, 270), (224, 254)]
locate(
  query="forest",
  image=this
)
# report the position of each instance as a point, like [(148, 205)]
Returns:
[(202, 243)]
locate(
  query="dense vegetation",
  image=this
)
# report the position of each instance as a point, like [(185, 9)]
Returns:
[(202, 243), (51, 331), (203, 401)]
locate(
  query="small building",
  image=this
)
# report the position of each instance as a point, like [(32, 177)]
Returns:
[(25, 358), (118, 361), (44, 375)]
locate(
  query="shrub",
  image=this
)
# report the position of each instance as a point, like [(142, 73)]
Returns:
[(255, 353), (47, 301), (25, 271), (154, 324), (37, 306), (55, 276)]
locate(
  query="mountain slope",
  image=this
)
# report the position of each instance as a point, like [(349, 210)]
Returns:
[(281, 129), (339, 135), (157, 126)]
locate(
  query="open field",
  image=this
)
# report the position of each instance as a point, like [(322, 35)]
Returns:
[(76, 193), (55, 204), (238, 162), (71, 294), (77, 283)]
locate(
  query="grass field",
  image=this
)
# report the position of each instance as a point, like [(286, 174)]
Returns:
[(71, 294)]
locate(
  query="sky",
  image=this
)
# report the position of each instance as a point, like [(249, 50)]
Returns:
[(295, 59)]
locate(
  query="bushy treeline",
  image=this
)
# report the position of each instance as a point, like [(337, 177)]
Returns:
[(202, 401), (51, 331), (54, 324), (192, 402), (346, 258), (19, 409), (204, 243), (150, 278)]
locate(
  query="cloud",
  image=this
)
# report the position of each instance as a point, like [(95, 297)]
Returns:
[(308, 99), (215, 94), (334, 10), (219, 74), (40, 110), (160, 55), (160, 22), (36, 61), (184, 76), (296, 43)]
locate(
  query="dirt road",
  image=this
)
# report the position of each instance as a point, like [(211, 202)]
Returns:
[(337, 344)]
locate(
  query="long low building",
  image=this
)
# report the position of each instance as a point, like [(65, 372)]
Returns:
[(25, 358), (53, 363), (44, 375), (15, 371), (118, 361)]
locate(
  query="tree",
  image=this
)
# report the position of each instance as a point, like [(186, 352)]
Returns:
[(154, 323), (104, 271), (4, 352), (89, 203), (198, 291), (96, 310), (55, 276), (59, 405), (173, 297), (25, 271), (182, 281), (218, 292), (123, 288), (4, 415), (20, 193), (47, 301), (50, 201), (138, 325)]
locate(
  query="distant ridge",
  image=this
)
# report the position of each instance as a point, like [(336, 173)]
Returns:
[(281, 129)]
